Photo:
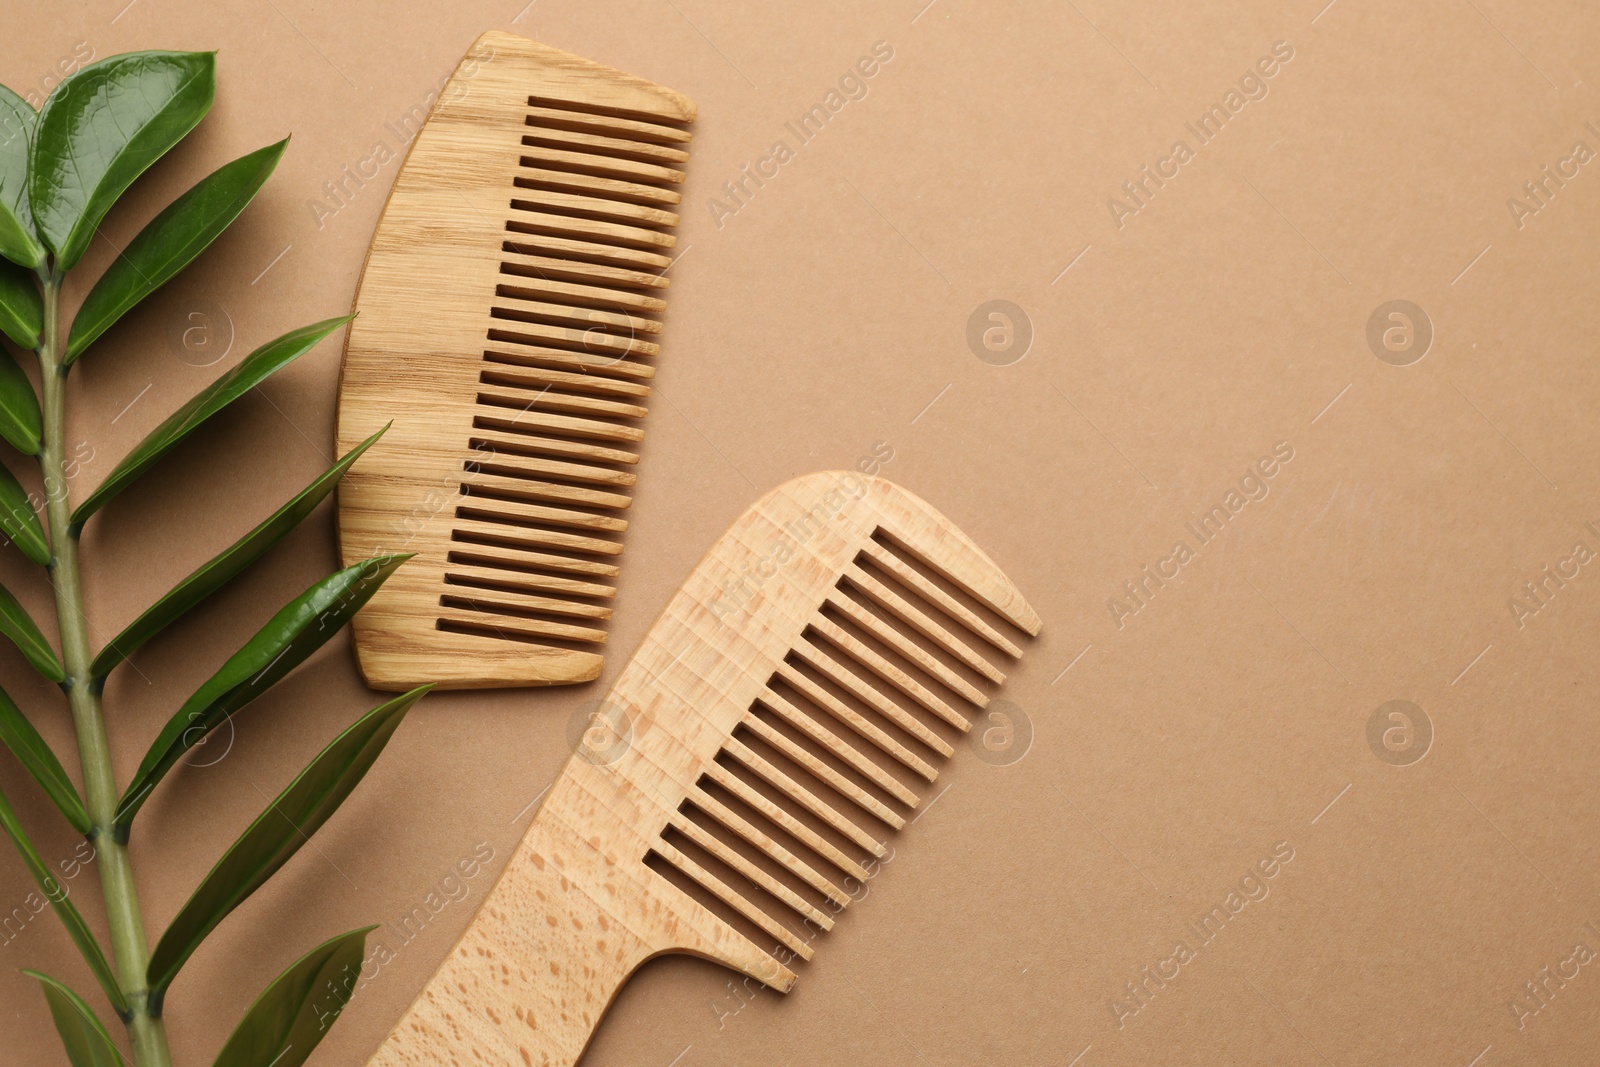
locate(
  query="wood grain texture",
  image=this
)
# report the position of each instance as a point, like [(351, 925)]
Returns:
[(672, 764), (507, 321)]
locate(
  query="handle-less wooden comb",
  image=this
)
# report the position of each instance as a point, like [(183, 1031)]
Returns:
[(504, 325), (813, 663)]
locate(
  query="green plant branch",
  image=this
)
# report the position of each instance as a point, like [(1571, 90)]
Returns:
[(129, 948), (61, 170)]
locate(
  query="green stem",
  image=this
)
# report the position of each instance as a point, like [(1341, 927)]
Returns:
[(128, 946)]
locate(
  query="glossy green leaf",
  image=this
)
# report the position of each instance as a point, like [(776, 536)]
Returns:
[(24, 633), (280, 646), (56, 894), (20, 422), (223, 567), (277, 834), (251, 371), (18, 520), (21, 307), (168, 244), (36, 757), (18, 243), (82, 1035), (295, 1012), (99, 130)]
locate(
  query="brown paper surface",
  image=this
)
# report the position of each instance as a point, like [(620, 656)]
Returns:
[(1432, 896)]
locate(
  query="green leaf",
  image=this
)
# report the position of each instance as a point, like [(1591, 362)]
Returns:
[(294, 1013), (31, 751), (277, 834), (223, 567), (251, 371), (285, 642), (17, 241), (100, 129), (24, 633), (83, 1036), (18, 520), (168, 244), (20, 423), (21, 308), (56, 894)]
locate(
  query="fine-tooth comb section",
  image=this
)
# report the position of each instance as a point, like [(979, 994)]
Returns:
[(509, 317), (780, 723)]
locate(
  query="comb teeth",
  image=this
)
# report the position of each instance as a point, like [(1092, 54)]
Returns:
[(742, 777), (563, 370), (885, 707), (510, 316)]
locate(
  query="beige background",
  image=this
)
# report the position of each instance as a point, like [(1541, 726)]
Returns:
[(829, 313)]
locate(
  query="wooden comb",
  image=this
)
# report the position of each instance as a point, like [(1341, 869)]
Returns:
[(504, 326), (810, 663)]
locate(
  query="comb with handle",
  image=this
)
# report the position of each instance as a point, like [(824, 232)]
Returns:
[(740, 774), (506, 325)]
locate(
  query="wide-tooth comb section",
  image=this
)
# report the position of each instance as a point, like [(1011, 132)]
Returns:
[(804, 797), (591, 184), (579, 205), (650, 264), (900, 569), (919, 621), (869, 695), (778, 723), (769, 847), (483, 501), (579, 394), (491, 620), (856, 721), (990, 589), (526, 436), (532, 310), (489, 483), (477, 544), (647, 132), (464, 572), (597, 144), (879, 658), (599, 158), (550, 420), (490, 592), (838, 746), (909, 649), (593, 297), (735, 859), (531, 464), (494, 527), (509, 319), (735, 900), (536, 259), (799, 755), (784, 821)]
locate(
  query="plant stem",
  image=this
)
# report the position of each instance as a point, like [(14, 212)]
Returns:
[(145, 1028)]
